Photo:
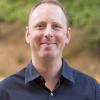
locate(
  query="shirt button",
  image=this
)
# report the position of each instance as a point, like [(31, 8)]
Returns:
[(51, 94)]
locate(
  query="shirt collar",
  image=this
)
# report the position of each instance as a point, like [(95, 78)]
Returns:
[(31, 73), (67, 71)]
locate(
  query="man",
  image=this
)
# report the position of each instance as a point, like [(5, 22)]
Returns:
[(48, 76)]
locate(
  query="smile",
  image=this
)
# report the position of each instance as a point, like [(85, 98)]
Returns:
[(47, 43)]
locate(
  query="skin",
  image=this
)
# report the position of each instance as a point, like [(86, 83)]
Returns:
[(47, 35)]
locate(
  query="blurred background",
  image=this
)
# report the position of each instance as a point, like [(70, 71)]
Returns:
[(83, 52)]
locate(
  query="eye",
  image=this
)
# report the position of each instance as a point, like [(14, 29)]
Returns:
[(56, 26), (40, 26)]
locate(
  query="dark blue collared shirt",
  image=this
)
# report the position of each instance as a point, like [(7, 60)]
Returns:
[(29, 85)]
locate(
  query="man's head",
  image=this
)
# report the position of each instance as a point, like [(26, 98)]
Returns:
[(47, 31)]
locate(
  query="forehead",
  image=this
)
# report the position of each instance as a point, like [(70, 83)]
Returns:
[(47, 10)]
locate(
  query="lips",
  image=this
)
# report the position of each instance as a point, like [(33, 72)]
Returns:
[(47, 43)]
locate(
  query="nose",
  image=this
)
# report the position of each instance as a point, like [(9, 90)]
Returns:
[(49, 32)]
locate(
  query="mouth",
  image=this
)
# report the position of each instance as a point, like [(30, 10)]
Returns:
[(47, 43), (48, 46)]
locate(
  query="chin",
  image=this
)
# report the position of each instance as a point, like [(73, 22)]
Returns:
[(49, 56)]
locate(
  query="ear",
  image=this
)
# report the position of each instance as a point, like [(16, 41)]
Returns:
[(27, 35), (68, 35)]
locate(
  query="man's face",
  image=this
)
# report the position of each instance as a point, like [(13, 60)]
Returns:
[(47, 32)]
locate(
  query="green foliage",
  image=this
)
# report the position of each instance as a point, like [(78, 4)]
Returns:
[(93, 40), (11, 10), (82, 12)]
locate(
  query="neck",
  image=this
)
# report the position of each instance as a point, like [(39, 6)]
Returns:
[(47, 68), (50, 70)]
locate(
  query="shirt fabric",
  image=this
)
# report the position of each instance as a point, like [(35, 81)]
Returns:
[(29, 85)]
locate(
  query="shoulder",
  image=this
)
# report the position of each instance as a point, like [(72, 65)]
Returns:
[(82, 77), (86, 83), (12, 80)]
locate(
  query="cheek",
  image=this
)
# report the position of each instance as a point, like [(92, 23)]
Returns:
[(35, 37), (61, 38)]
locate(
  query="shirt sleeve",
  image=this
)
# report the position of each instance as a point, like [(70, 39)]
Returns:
[(0, 94), (98, 92)]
